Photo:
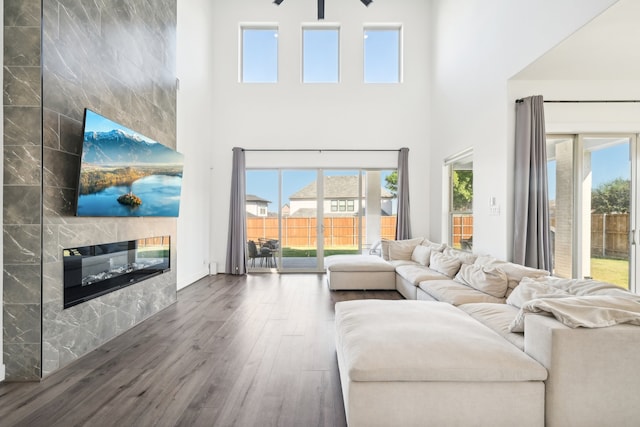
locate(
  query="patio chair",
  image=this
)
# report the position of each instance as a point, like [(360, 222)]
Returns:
[(253, 253)]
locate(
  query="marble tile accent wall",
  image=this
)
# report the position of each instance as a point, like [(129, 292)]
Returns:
[(22, 169), (116, 57)]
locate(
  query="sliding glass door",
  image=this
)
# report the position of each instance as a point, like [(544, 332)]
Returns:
[(593, 192), (605, 208), (297, 217)]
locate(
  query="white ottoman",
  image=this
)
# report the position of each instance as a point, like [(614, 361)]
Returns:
[(348, 272), (419, 363)]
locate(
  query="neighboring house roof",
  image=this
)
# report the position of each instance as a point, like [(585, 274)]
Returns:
[(336, 187), (256, 199), (307, 213)]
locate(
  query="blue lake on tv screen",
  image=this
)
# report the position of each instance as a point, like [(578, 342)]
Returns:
[(160, 195)]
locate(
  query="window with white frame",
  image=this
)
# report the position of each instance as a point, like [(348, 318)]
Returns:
[(382, 55), (320, 55), (259, 54), (343, 206), (459, 170)]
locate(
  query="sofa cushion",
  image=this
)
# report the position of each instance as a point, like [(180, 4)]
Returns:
[(515, 272), (417, 273), (447, 265), (399, 249), (424, 341), (463, 256), (488, 279), (357, 263), (497, 317), (399, 262), (456, 293), (421, 255)]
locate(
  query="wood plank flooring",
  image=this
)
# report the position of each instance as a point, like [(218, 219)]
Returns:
[(253, 350)]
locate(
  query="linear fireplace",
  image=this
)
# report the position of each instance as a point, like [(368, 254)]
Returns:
[(92, 271)]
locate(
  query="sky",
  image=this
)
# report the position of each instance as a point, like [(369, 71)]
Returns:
[(94, 122), (264, 183), (321, 51), (606, 165)]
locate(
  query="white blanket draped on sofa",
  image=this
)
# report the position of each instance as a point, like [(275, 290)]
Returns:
[(598, 305)]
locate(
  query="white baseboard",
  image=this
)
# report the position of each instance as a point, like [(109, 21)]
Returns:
[(193, 278), (2, 371)]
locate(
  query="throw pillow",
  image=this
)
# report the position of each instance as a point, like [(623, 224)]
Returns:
[(437, 247), (421, 255), (464, 257), (516, 272), (402, 249), (444, 264), (489, 280), (533, 288)]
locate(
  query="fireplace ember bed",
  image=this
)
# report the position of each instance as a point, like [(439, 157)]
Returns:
[(92, 271)]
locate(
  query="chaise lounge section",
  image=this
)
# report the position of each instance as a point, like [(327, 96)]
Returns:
[(350, 272)]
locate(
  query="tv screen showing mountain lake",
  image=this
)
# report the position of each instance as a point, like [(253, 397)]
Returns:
[(124, 173), (159, 196)]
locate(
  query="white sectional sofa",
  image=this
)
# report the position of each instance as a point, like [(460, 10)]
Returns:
[(428, 271), (542, 351)]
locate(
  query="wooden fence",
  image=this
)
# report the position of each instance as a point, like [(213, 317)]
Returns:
[(301, 232), (610, 235), (462, 230)]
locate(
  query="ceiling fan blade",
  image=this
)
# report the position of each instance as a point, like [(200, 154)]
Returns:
[(320, 9), (277, 2)]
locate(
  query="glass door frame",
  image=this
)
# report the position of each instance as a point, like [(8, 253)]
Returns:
[(360, 172), (578, 246)]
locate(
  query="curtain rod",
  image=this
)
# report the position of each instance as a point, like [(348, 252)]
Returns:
[(587, 101), (319, 150)]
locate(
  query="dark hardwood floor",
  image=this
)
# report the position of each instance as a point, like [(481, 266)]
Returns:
[(254, 350)]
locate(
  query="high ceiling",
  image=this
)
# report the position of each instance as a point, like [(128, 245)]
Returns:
[(607, 48)]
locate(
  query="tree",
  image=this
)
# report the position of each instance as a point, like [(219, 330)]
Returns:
[(462, 190), (611, 197), (392, 182)]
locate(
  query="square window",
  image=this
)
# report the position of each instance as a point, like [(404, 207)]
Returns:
[(334, 206), (350, 205), (343, 205), (320, 55), (259, 55), (382, 55)]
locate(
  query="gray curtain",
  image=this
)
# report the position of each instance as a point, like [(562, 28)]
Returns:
[(403, 225), (532, 237), (236, 241)]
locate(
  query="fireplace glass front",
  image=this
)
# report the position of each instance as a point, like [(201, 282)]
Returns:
[(92, 271)]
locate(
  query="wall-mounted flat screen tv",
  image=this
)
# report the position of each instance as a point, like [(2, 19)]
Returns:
[(124, 173)]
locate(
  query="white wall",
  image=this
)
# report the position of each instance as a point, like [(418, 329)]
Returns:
[(289, 114), (477, 47), (584, 118), (194, 137)]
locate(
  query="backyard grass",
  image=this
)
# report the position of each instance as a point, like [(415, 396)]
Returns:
[(611, 270), (296, 253)]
